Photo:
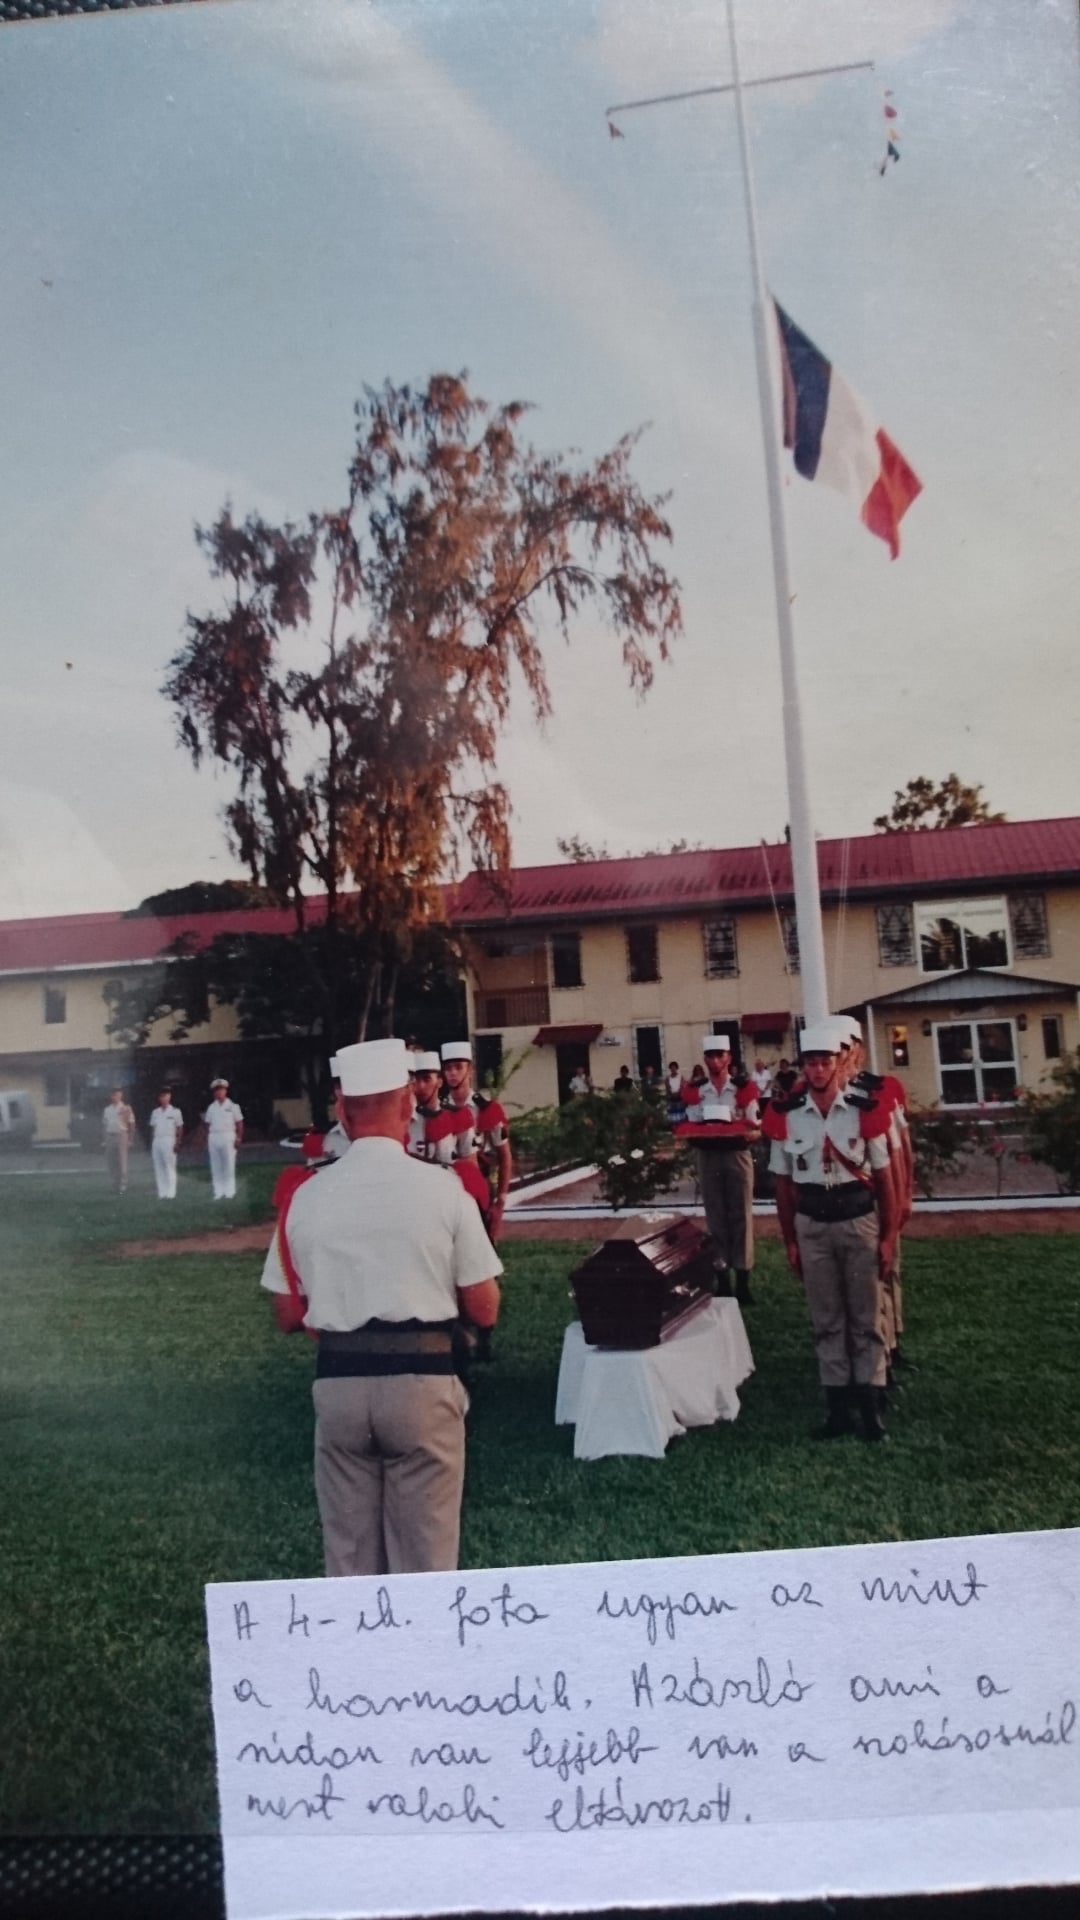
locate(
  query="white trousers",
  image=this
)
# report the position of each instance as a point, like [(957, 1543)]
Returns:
[(163, 1156), (223, 1168)]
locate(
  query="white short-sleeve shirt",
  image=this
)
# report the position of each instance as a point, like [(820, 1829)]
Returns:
[(722, 1104), (382, 1236), (165, 1123), (222, 1118), (118, 1119), (806, 1155)]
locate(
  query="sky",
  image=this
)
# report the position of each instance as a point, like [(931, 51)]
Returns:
[(223, 220)]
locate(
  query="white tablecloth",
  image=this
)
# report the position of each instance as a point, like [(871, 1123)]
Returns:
[(636, 1402)]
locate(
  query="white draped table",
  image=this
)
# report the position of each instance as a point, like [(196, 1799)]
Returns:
[(635, 1402)]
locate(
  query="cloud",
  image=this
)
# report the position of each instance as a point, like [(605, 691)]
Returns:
[(497, 196), (49, 861)]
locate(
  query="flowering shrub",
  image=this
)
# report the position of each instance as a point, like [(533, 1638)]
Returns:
[(629, 1141), (1052, 1124), (940, 1141)]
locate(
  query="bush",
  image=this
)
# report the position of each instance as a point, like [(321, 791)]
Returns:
[(629, 1140), (939, 1142), (1052, 1124)]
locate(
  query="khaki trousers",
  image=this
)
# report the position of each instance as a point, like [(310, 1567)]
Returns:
[(389, 1472), (845, 1297), (116, 1159), (726, 1178)]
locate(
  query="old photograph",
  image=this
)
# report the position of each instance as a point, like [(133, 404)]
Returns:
[(538, 575)]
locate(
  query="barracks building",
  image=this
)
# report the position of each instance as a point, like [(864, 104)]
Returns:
[(959, 950)]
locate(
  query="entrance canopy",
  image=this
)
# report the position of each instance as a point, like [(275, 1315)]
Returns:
[(765, 1022), (581, 1036), (974, 987)]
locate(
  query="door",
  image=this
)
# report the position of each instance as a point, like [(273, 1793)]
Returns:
[(976, 1061), (569, 1056), (649, 1051)]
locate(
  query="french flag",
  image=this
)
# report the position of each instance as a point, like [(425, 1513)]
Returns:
[(834, 439)]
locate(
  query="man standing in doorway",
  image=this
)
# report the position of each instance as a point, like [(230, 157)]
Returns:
[(166, 1133), (224, 1125), (118, 1127), (726, 1168)]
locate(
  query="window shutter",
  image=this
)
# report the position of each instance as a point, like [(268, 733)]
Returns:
[(896, 935)]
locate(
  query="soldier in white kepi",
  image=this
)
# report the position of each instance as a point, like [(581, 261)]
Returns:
[(381, 1258), (166, 1133), (837, 1210), (431, 1134), (726, 1167), (224, 1125), (481, 1128)]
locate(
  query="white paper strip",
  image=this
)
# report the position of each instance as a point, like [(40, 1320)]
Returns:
[(844, 1720)]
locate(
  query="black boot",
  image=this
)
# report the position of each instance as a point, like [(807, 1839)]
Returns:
[(742, 1288), (871, 1407), (838, 1418), (899, 1361), (723, 1287)]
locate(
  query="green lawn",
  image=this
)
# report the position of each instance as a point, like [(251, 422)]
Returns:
[(157, 1434)]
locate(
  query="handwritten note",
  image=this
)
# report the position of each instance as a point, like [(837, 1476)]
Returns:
[(855, 1719)]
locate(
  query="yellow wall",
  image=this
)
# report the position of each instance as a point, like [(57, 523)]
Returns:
[(685, 1004)]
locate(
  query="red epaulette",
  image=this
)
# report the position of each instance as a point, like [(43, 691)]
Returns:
[(875, 1119), (440, 1126), (691, 1095), (288, 1180), (745, 1096), (895, 1091), (490, 1114), (462, 1119), (313, 1145), (774, 1123)]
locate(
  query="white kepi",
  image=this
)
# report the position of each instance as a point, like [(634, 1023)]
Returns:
[(716, 1043), (457, 1050), (827, 1037), (372, 1066)]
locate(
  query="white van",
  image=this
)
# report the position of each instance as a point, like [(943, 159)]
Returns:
[(18, 1121)]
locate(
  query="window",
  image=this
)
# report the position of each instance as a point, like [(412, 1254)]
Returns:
[(1028, 926), (56, 1087), (489, 1053), (55, 1016), (790, 932), (976, 1061), (898, 1047), (642, 954), (1051, 1036), (896, 935), (721, 949), (566, 960), (955, 934)]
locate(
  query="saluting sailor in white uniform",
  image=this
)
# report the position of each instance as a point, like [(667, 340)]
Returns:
[(166, 1133), (224, 1125)]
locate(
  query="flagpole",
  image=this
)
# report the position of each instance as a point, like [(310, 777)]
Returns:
[(815, 991)]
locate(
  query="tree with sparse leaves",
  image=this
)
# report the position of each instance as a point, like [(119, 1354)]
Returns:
[(924, 805), (357, 678), (574, 848)]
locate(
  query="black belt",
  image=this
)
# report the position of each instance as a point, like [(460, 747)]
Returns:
[(387, 1347), (850, 1201)]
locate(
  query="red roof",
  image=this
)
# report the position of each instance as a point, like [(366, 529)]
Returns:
[(1021, 851), (117, 939)]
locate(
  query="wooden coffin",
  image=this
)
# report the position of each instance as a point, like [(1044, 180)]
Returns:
[(643, 1283)]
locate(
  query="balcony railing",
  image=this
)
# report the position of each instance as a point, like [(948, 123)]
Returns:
[(514, 1007)]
